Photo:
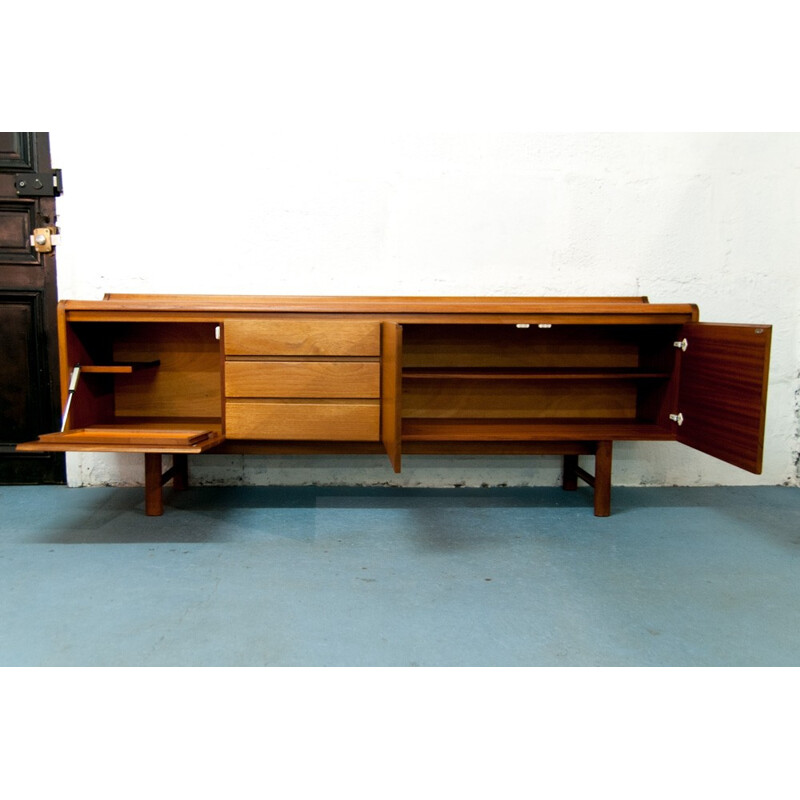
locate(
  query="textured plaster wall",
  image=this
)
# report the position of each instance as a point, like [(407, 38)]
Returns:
[(710, 219)]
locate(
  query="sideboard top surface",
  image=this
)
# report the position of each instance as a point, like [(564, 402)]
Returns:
[(623, 309)]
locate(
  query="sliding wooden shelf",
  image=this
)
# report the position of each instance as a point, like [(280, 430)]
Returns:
[(125, 438)]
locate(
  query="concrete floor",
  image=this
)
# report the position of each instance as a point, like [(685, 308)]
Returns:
[(400, 577)]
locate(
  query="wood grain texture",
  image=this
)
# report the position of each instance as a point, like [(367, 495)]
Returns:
[(355, 420), (302, 338), (126, 439), (515, 399), (187, 381), (386, 306), (723, 391), (506, 346), (324, 379)]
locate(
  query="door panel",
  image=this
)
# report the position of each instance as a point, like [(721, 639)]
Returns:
[(723, 391), (391, 369), (29, 403)]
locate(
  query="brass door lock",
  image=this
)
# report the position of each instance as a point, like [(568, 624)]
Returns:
[(44, 239)]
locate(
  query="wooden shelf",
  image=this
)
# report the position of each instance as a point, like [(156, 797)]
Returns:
[(530, 374), (119, 369), (522, 430)]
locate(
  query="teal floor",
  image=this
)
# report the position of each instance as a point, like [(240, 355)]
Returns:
[(397, 577)]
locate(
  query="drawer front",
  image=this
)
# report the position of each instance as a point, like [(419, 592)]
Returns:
[(354, 421), (321, 379), (274, 337)]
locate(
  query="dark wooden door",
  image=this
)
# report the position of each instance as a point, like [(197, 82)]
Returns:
[(722, 392), (29, 401)]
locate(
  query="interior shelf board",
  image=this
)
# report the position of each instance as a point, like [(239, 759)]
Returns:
[(520, 430), (592, 373), (118, 368)]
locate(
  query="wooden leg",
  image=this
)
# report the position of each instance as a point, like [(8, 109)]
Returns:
[(602, 480), (569, 479), (180, 474), (153, 498)]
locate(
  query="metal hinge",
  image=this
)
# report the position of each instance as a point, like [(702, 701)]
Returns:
[(39, 184), (682, 344), (677, 418), (44, 239)]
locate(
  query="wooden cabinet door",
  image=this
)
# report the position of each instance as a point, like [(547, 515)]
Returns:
[(391, 391), (722, 394)]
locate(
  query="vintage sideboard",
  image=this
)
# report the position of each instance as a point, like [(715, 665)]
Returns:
[(188, 374)]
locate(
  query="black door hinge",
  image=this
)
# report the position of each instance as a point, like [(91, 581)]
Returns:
[(39, 184)]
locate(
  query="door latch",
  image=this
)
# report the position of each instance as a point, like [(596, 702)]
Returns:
[(677, 418), (44, 239), (39, 184)]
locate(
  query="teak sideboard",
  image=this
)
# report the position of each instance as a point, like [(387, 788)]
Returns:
[(184, 374)]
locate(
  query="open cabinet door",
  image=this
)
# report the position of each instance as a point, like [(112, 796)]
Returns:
[(391, 389), (722, 394)]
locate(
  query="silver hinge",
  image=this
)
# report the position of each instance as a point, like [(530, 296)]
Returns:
[(677, 418), (682, 344)]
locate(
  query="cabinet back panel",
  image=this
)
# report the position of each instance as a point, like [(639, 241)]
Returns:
[(187, 382), (499, 399), (509, 346)]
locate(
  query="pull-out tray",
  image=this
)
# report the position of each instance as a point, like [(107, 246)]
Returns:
[(130, 439)]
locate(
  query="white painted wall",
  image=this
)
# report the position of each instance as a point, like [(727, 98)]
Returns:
[(710, 219)]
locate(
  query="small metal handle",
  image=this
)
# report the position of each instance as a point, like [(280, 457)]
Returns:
[(677, 418)]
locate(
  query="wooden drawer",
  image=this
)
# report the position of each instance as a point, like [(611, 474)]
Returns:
[(355, 421), (320, 379), (260, 337)]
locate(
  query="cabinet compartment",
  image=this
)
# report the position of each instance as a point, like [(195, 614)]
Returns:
[(353, 420), (302, 338), (504, 381), (145, 371), (322, 379)]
